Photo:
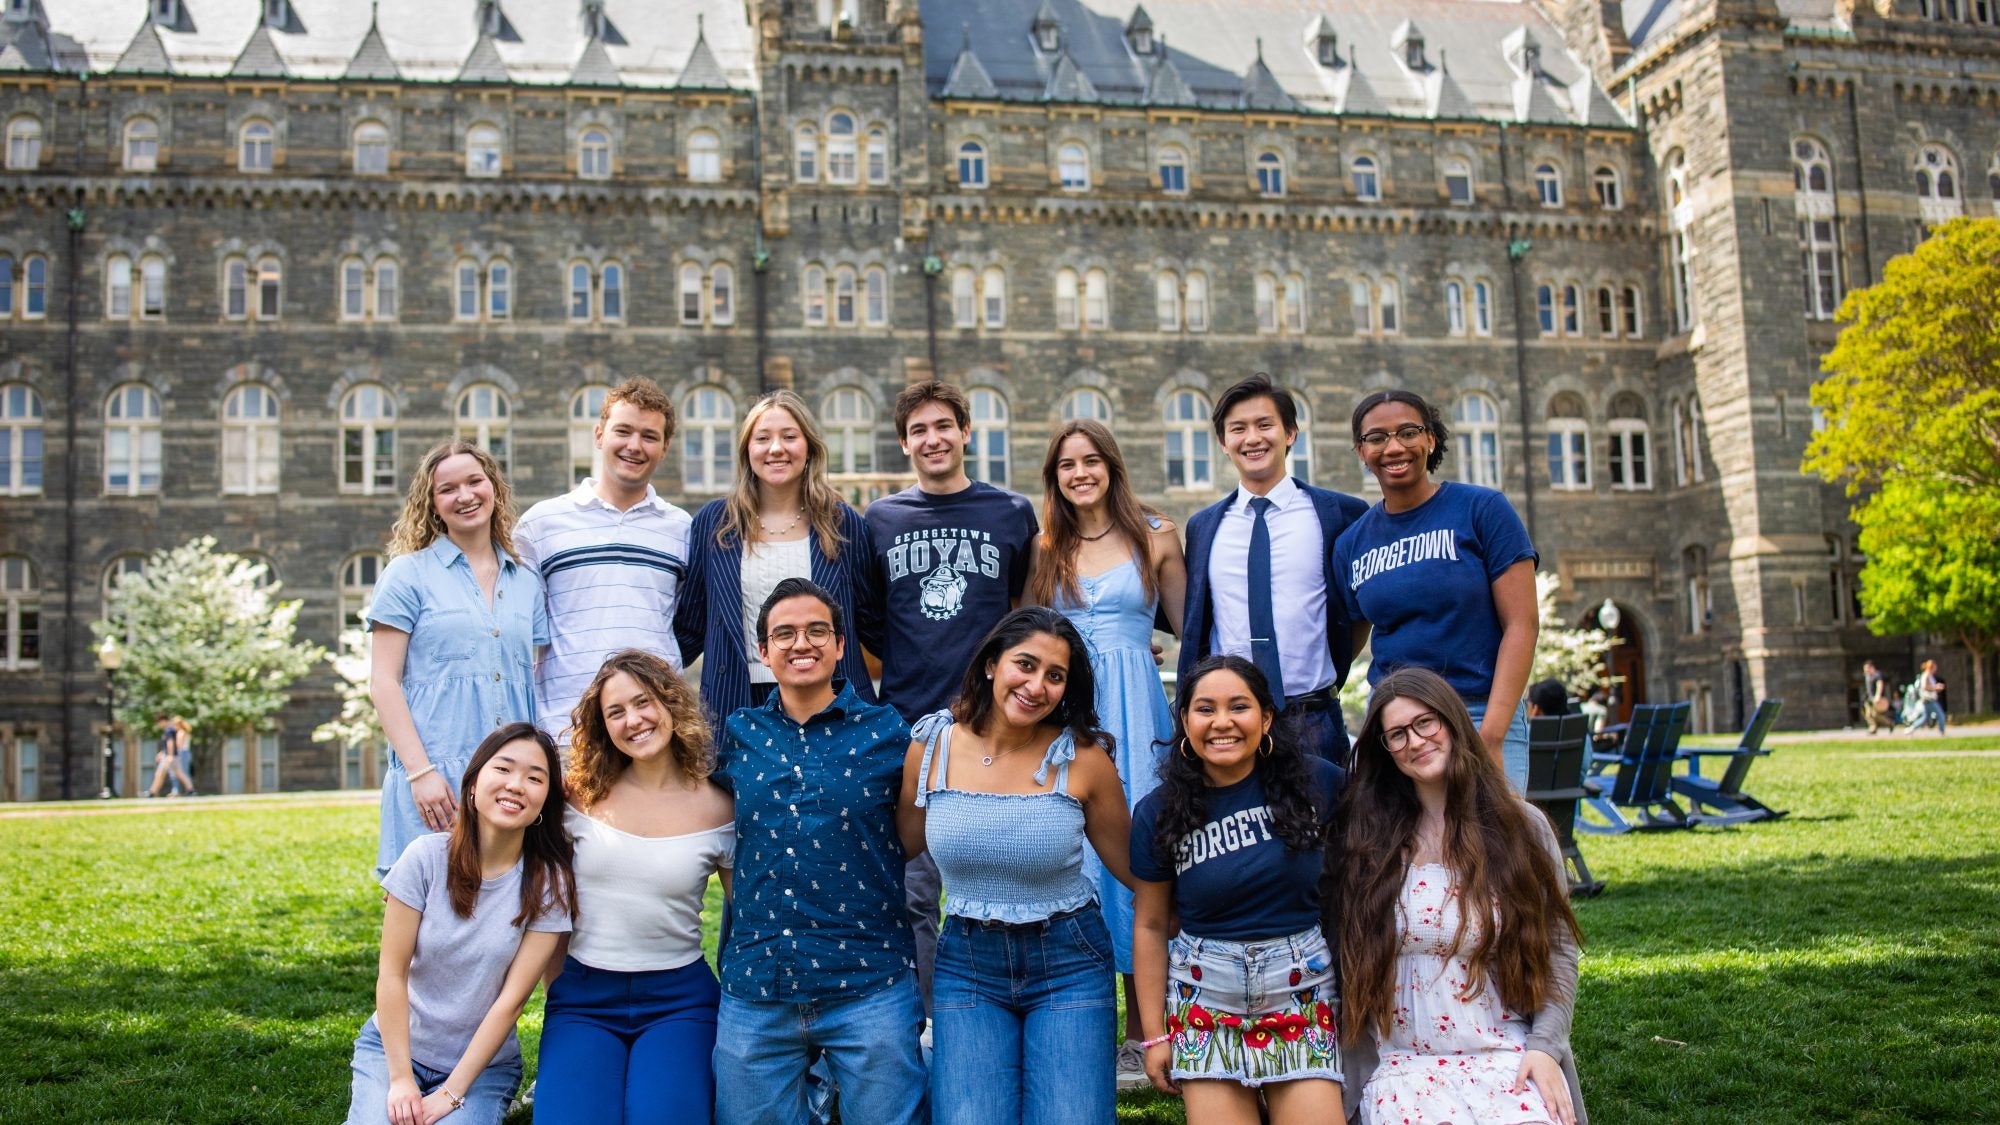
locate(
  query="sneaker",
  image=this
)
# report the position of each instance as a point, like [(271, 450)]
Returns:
[(1132, 1066)]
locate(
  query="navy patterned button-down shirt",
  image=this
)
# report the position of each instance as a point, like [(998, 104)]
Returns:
[(819, 867)]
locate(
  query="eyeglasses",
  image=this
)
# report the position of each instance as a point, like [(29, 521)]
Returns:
[(1425, 726), (1405, 435), (816, 635)]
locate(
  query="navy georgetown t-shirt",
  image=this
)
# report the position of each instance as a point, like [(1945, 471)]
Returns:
[(1424, 580), (949, 568), (1234, 880)]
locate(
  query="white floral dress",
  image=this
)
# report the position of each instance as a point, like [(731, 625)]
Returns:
[(1447, 1059)]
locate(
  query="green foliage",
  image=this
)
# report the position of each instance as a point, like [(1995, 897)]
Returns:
[(1934, 566), (1573, 656), (204, 639), (357, 724)]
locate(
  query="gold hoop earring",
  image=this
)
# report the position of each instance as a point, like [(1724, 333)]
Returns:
[(1264, 751), (538, 818), (1187, 748)]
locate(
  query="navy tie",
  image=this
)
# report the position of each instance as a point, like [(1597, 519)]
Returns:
[(1263, 623)]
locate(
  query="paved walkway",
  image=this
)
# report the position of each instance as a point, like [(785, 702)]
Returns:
[(1989, 731), (94, 806)]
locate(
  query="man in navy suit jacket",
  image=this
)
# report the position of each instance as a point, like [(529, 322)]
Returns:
[(1257, 422)]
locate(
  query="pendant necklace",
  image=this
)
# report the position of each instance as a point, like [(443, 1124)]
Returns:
[(768, 530), (988, 759)]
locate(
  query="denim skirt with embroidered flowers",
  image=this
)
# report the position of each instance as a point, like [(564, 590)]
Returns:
[(1253, 1011)]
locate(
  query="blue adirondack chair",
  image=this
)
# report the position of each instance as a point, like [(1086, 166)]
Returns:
[(1558, 754), (1721, 800), (1644, 769)]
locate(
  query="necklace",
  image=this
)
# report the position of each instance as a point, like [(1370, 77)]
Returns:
[(989, 759), (768, 530), (1108, 529)]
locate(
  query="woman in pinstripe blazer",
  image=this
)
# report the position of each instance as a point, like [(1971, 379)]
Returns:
[(782, 520)]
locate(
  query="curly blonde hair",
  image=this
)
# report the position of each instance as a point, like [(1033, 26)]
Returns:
[(595, 762), (419, 526)]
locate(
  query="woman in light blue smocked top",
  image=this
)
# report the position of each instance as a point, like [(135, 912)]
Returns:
[(1004, 790)]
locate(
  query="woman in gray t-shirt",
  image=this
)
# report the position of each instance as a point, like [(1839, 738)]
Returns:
[(469, 920)]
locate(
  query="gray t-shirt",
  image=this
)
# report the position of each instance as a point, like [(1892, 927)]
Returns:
[(459, 963)]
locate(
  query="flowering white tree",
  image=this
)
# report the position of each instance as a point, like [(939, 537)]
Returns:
[(205, 638), (1573, 656), (357, 724)]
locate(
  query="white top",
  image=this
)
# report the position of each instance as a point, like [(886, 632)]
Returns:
[(1298, 585), (764, 566), (611, 579), (638, 898)]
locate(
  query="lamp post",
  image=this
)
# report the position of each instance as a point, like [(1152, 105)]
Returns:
[(110, 658), (1608, 618)]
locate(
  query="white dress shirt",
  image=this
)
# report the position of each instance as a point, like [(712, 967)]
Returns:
[(1298, 585)]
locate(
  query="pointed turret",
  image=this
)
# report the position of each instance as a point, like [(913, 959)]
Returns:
[(1593, 105), (1535, 100), (1068, 82), (1166, 85), (372, 60), (702, 72), (595, 68), (146, 54), (260, 58), (968, 77), (1261, 89), (1357, 93), (1444, 97), (24, 43), (484, 63)]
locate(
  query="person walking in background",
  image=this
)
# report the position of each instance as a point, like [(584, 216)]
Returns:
[(1111, 566), (1875, 698), (819, 960), (611, 554), (781, 520), (630, 1025), (1269, 544), (1930, 691), (1596, 709), (1004, 789), (468, 921), (174, 760), (1444, 573), (951, 557), (456, 618), (1458, 949)]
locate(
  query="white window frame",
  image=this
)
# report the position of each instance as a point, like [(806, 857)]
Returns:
[(987, 454), (593, 153), (877, 158), (1476, 426), (369, 149), (1186, 441), (484, 416), (20, 602), (1482, 309), (24, 143), (268, 290), (1173, 170), (1548, 185), (132, 441), (611, 290), (848, 416), (118, 287), (1609, 186), (704, 157), (1365, 177), (972, 165), (1458, 182), (993, 297), (251, 450), (586, 406), (1265, 303), (21, 424), (846, 297), (813, 295), (1301, 464), (1069, 300), (499, 289), (842, 148), (805, 154), (485, 150), (368, 415), (256, 146), (1568, 448), (1194, 302), (1454, 307), (964, 298), (1167, 301), (355, 582), (579, 287), (708, 439), (722, 294), (141, 149), (1073, 166), (1086, 402), (1268, 173), (1631, 455)]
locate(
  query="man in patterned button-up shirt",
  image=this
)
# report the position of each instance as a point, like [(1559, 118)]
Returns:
[(819, 958)]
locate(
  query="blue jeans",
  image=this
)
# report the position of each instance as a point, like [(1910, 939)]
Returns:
[(1933, 713), (762, 1050), (1514, 750), (485, 1103), (1023, 1023), (628, 1047), (184, 759), (1321, 731)]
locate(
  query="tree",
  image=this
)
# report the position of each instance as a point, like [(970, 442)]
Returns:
[(1934, 566), (357, 723), (204, 639), (1573, 656)]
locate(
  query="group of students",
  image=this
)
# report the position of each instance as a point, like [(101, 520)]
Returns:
[(1375, 927)]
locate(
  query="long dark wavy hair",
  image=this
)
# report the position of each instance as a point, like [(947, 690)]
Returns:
[(1500, 870), (1078, 710), (1055, 556), (1281, 769), (547, 852)]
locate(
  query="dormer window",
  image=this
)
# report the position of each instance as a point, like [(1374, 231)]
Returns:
[(1413, 52), (17, 10), (490, 18), (1142, 40), (167, 12), (593, 18), (275, 14), (1048, 35), (1531, 58), (1327, 49)]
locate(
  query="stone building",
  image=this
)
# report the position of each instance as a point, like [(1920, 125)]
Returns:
[(257, 255)]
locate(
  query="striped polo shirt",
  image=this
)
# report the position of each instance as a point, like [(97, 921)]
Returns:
[(611, 579)]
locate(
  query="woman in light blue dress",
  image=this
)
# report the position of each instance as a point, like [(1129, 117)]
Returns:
[(454, 622), (1110, 565)]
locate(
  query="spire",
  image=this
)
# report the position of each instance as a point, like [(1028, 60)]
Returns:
[(968, 77), (1358, 94), (24, 44), (594, 67), (1261, 89), (1166, 85), (1068, 82), (372, 60), (1443, 96), (702, 72), (484, 63), (1534, 102), (260, 58), (146, 54)]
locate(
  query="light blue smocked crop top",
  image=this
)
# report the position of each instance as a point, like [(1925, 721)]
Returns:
[(1005, 857)]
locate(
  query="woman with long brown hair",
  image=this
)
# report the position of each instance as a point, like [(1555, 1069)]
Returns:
[(1457, 946), (455, 620), (630, 1023), (782, 519), (1109, 564)]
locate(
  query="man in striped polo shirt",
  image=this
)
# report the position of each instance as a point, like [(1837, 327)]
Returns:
[(611, 555)]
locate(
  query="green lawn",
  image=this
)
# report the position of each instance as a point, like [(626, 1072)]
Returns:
[(212, 964)]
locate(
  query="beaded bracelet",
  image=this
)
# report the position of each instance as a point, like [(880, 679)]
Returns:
[(456, 1101), (1149, 1044), (432, 768)]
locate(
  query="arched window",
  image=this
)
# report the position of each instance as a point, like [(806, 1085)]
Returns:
[(388, 289), (24, 144), (1477, 426), (722, 294), (1270, 169), (1680, 217), (117, 287), (1607, 312), (142, 145), (971, 165), (814, 296), (250, 440), (1937, 173), (21, 604), (579, 291), (235, 288), (1610, 190), (878, 156), (1361, 303), (483, 417), (1167, 301), (1634, 315), (964, 298), (20, 440), (1454, 307), (690, 293), (358, 575), (1572, 298), (1073, 167), (466, 285), (704, 157), (993, 297), (845, 311), (1366, 177), (987, 459), (1266, 302), (805, 155), (6, 285), (1294, 308), (1696, 461), (1548, 186), (34, 287), (1700, 606), (270, 288), (499, 289), (1302, 449), (708, 440), (152, 287), (1096, 299), (1482, 309), (585, 407), (1631, 445), (255, 147), (593, 154), (1458, 181), (1545, 308), (840, 147), (132, 441), (1186, 441), (353, 289), (1391, 301), (1819, 253), (611, 291), (115, 573), (1173, 170), (849, 419), (482, 151), (1569, 444), (1066, 299), (368, 440), (371, 149), (1195, 302), (1086, 402)]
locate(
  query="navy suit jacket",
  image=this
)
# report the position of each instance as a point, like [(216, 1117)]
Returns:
[(1336, 511)]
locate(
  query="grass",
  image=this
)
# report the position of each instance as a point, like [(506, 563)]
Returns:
[(1843, 965)]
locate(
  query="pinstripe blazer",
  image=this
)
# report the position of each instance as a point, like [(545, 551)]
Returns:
[(709, 618)]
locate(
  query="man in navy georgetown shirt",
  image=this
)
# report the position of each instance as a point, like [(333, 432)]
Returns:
[(819, 960)]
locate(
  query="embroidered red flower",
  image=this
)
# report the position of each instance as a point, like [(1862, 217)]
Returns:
[(1199, 1019), (1271, 1022), (1174, 1025), (1194, 971), (1323, 1015), (1257, 1038), (1228, 1020), (1296, 978), (1292, 1026)]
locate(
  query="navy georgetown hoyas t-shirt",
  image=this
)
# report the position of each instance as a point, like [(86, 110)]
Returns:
[(949, 568)]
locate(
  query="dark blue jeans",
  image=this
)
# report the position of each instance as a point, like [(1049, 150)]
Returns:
[(1320, 730), (628, 1047)]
